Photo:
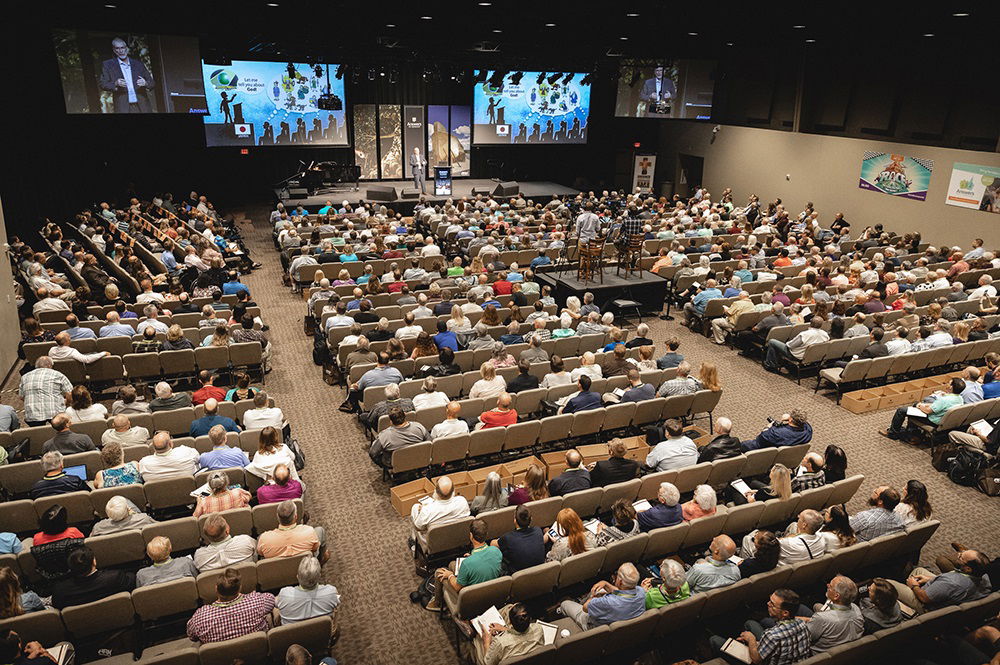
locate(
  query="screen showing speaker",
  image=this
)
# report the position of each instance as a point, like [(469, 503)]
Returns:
[(273, 103), (530, 107), (122, 72), (666, 89)]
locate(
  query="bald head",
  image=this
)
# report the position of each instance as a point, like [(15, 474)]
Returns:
[(121, 423), (211, 406), (722, 547), (723, 425), (444, 487), (162, 442), (573, 458)]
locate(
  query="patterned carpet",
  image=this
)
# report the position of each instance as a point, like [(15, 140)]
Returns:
[(371, 565)]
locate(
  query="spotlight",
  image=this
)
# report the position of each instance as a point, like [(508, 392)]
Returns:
[(340, 72), (371, 73), (568, 78), (318, 70), (541, 77), (586, 79), (291, 70), (554, 78), (515, 78), (480, 76)]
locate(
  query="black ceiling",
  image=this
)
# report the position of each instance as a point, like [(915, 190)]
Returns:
[(513, 33)]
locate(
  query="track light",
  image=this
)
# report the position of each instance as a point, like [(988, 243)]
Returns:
[(541, 77), (568, 78), (554, 78)]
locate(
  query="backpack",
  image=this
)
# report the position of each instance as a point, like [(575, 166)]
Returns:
[(989, 481), (942, 455), (300, 457), (965, 467)]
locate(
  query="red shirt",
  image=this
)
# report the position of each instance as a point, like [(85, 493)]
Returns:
[(395, 287), (206, 393), (502, 287), (41, 538), (496, 418)]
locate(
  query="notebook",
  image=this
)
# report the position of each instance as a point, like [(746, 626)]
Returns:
[(80, 471), (641, 505), (982, 427), (482, 622), (914, 411), (549, 632), (737, 650), (591, 526), (741, 486)]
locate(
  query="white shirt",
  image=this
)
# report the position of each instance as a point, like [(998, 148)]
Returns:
[(222, 555), (906, 514), (486, 389), (593, 371), (69, 353), (426, 400), (439, 510), (262, 464), (155, 324), (50, 305), (180, 460), (406, 332), (92, 412), (126, 67), (797, 548), (430, 250), (938, 339), (897, 346), (449, 428), (265, 417), (986, 290), (298, 604), (150, 296)]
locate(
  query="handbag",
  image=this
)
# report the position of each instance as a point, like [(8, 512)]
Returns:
[(941, 455), (300, 457), (989, 481)]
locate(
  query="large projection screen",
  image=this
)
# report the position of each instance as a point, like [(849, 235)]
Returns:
[(681, 89), (524, 111)]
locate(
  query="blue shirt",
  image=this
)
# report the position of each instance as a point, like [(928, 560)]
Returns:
[(744, 275), (344, 258), (9, 543), (973, 392), (540, 261), (659, 515), (700, 300), (583, 402), (169, 261), (223, 457), (232, 288), (669, 360), (324, 210), (991, 390), (515, 276), (618, 605), (116, 330), (201, 426), (81, 333), (446, 339), (518, 339)]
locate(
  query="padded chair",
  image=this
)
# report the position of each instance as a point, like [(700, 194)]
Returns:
[(170, 492), (584, 502), (648, 411), (844, 490), (587, 423), (211, 357), (726, 470), (117, 549), (651, 483), (676, 617), (206, 581), (450, 449), (77, 504), (704, 529), (720, 602), (411, 458), (544, 511), (251, 649), (617, 417), (690, 477), (475, 599), (485, 442), (178, 363), (45, 626), (630, 634), (627, 490), (554, 428), (19, 516), (790, 456), (521, 436), (143, 366), (815, 498), (581, 647), (581, 567), (108, 614), (240, 521), (175, 421), (628, 550), (265, 516), (808, 573), (534, 581), (665, 540), (166, 599), (183, 533), (743, 519), (313, 634)]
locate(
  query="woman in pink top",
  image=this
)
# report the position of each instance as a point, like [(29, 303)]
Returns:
[(702, 505)]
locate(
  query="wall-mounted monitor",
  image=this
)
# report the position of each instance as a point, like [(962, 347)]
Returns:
[(531, 107), (666, 89)]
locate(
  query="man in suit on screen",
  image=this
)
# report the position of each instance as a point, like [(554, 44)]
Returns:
[(418, 163), (658, 90), (127, 79)]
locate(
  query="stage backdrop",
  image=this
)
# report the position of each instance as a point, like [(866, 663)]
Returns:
[(896, 175), (531, 112), (390, 142), (260, 103), (446, 147), (974, 186), (366, 141)]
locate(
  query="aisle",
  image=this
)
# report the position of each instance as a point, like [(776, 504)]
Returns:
[(370, 564)]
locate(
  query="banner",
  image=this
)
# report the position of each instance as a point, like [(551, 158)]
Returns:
[(642, 173), (413, 136), (974, 186), (365, 141), (896, 175), (390, 142)]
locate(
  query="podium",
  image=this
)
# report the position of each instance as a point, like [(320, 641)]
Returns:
[(442, 181)]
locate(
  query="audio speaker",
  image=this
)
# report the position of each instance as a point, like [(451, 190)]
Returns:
[(380, 193), (298, 193), (510, 188), (481, 190), (410, 193)]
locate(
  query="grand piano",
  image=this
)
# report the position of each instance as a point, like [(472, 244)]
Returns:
[(326, 176)]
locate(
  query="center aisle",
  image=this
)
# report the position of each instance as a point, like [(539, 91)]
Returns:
[(369, 564)]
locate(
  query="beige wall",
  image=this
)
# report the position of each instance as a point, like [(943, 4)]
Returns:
[(826, 171), (9, 323)]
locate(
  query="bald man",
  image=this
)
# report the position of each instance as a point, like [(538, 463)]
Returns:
[(201, 426), (445, 505), (164, 569), (124, 433), (574, 478), (168, 460), (717, 571), (452, 425), (809, 473), (501, 416)]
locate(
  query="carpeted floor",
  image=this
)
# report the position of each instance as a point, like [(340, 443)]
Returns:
[(371, 565)]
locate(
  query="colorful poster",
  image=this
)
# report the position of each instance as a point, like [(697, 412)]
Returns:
[(365, 141), (642, 173), (460, 140), (974, 186), (896, 175)]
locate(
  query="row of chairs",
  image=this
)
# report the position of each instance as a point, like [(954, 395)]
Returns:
[(157, 365), (176, 421), (100, 311), (443, 539), (542, 579), (184, 320), (658, 626), (868, 371), (150, 606), (523, 258)]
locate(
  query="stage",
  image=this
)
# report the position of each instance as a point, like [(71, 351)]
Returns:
[(461, 187), (648, 289)]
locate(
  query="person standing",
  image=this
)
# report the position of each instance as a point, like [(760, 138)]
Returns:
[(127, 79), (419, 165)]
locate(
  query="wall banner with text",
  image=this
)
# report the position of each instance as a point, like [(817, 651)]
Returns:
[(642, 173), (896, 175), (974, 186)]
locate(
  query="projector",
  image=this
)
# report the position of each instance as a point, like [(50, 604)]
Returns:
[(329, 102)]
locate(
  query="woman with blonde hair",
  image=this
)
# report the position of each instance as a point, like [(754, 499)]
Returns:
[(477, 265), (572, 307), (708, 377), (535, 487), (490, 385), (959, 332), (176, 341), (396, 350), (219, 338), (806, 295), (343, 278), (458, 321), (573, 538), (646, 361), (779, 487), (318, 276)]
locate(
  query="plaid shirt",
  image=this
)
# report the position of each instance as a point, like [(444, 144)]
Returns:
[(807, 481), (227, 620), (870, 524), (241, 335), (216, 503), (784, 644), (147, 346), (43, 390)]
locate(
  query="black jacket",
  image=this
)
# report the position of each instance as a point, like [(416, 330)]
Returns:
[(721, 447), (613, 470), (570, 481), (522, 382), (876, 350)]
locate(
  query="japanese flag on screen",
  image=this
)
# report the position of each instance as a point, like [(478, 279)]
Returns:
[(242, 130), (503, 130)]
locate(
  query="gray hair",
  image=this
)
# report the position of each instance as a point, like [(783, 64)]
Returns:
[(309, 573), (287, 512), (219, 480), (672, 573), (430, 384), (117, 508), (705, 497), (812, 520), (52, 460), (43, 362), (392, 391), (669, 494), (162, 389), (608, 318), (845, 588), (481, 330), (492, 492), (642, 330)]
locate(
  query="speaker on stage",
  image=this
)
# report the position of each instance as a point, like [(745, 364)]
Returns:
[(298, 193), (481, 190), (381, 193), (510, 188), (410, 193)]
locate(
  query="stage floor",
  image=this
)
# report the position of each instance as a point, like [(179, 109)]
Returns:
[(539, 190), (647, 288)]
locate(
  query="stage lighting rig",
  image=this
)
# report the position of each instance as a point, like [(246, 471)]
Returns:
[(554, 78), (516, 77), (567, 78), (541, 77)]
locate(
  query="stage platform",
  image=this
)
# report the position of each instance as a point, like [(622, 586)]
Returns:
[(539, 190), (646, 288)]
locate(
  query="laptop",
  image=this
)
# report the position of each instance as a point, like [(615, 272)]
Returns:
[(80, 471)]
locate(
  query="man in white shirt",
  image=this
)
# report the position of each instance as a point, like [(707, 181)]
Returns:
[(48, 304), (409, 329), (151, 314), (445, 506), (806, 544), (430, 249), (148, 295), (795, 349), (261, 415), (222, 550), (587, 366), (310, 598), (422, 311), (63, 351), (941, 335), (167, 461), (898, 344), (340, 319), (124, 433), (451, 425), (985, 288)]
